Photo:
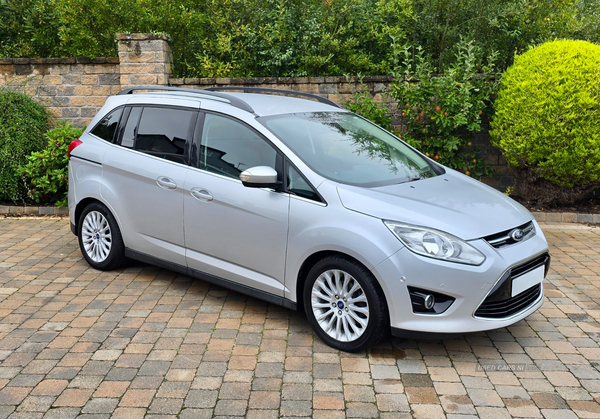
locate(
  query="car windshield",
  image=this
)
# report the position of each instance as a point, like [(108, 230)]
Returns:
[(348, 149)]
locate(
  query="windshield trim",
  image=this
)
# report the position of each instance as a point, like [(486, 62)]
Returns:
[(435, 167)]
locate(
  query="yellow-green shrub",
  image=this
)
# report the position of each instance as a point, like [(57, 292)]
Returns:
[(547, 121)]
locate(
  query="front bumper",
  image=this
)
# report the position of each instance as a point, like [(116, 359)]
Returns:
[(468, 285)]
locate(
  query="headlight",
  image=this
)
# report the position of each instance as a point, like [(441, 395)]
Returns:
[(435, 244)]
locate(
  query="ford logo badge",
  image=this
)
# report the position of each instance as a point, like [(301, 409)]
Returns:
[(517, 234)]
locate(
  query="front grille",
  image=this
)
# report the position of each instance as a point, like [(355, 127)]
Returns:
[(504, 238), (499, 303), (510, 306)]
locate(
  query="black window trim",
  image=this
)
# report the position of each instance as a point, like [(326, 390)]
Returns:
[(279, 156), (190, 134)]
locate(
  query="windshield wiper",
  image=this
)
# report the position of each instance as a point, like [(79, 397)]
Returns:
[(411, 179)]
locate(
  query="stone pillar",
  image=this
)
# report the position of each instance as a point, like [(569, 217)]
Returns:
[(145, 59)]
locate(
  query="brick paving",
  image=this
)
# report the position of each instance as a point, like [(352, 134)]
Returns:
[(147, 342)]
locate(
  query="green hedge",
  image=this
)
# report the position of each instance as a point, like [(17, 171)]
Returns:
[(253, 38), (23, 123), (547, 121)]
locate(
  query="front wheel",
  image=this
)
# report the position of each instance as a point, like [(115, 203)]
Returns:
[(100, 240), (344, 304)]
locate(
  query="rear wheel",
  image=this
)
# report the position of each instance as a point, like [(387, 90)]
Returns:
[(100, 239), (344, 304)]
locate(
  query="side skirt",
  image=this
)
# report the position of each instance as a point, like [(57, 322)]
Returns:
[(222, 282)]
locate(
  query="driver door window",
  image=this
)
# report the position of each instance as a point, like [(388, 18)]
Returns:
[(228, 147)]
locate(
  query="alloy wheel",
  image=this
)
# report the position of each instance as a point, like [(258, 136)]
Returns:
[(340, 305), (96, 236)]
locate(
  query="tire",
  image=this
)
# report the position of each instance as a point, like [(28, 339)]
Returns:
[(100, 239), (344, 304)]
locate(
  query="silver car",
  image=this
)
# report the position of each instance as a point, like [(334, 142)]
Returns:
[(301, 203)]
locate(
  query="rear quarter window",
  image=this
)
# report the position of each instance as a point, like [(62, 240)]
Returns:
[(107, 127)]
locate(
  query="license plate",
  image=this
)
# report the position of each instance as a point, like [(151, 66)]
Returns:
[(527, 280)]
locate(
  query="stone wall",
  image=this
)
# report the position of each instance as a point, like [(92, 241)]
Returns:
[(71, 88), (76, 88)]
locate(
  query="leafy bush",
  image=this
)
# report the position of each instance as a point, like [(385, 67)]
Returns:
[(253, 38), (22, 126), (362, 103), (442, 111), (47, 170), (547, 121), (507, 27)]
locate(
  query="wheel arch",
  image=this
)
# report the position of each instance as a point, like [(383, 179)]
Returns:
[(89, 200), (313, 259), (81, 206)]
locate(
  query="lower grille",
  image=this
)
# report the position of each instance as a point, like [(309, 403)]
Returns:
[(510, 306)]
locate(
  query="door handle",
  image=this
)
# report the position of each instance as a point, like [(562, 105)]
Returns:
[(201, 194), (166, 183)]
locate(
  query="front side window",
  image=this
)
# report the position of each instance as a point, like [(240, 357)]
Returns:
[(345, 148), (108, 126), (297, 185), (228, 148)]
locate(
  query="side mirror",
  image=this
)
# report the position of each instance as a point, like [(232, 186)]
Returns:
[(260, 177)]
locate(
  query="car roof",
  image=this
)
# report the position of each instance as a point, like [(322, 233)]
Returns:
[(259, 104), (268, 104)]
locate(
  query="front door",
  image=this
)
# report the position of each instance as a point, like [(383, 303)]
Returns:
[(232, 231)]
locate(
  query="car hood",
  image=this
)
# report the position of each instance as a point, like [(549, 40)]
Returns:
[(451, 202)]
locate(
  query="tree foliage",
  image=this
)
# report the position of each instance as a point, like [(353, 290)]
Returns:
[(239, 38)]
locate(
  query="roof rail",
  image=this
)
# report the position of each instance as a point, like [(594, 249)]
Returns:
[(234, 101), (280, 91)]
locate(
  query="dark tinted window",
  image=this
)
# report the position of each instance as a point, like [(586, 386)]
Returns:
[(131, 127), (229, 148), (297, 185), (163, 132), (107, 127)]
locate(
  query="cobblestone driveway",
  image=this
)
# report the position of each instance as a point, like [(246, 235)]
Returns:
[(146, 342)]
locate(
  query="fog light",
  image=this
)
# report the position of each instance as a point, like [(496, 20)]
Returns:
[(429, 301)]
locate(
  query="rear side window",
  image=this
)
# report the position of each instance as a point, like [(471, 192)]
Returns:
[(161, 132), (131, 127), (108, 126)]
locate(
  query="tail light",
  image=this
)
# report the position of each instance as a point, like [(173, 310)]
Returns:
[(72, 146)]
